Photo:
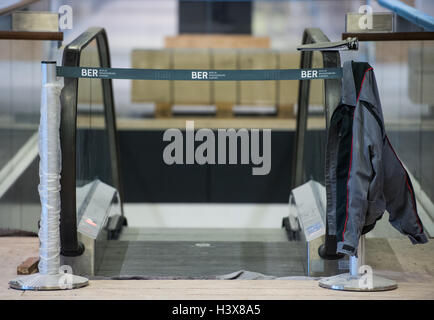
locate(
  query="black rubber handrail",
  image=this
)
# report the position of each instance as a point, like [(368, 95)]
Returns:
[(68, 130), (332, 94)]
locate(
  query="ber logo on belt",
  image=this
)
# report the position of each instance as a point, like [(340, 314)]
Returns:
[(199, 75), (309, 74), (90, 73)]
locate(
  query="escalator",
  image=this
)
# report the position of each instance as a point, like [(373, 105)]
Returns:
[(109, 167), (89, 137)]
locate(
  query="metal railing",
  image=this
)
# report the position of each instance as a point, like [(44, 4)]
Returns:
[(20, 5), (409, 13), (332, 95), (68, 129)]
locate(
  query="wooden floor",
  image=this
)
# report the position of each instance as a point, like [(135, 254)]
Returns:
[(416, 282)]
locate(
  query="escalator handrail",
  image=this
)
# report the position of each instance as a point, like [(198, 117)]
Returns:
[(68, 129), (16, 6), (332, 94), (409, 13)]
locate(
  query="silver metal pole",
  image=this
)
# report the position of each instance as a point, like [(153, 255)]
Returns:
[(361, 251), (355, 280), (49, 249), (48, 69), (51, 275), (357, 262), (354, 266)]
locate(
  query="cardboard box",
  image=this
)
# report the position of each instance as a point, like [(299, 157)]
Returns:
[(151, 90), (224, 91), (35, 21), (192, 92), (317, 86), (381, 22), (262, 93), (90, 90), (229, 41), (288, 89)]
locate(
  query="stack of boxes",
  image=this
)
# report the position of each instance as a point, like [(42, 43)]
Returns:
[(223, 94)]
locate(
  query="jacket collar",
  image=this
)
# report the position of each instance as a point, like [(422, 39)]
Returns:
[(348, 87), (352, 81)]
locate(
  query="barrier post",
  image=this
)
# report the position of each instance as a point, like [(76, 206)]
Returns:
[(360, 277), (51, 275)]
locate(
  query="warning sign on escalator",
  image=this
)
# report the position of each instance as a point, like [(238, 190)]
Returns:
[(310, 201)]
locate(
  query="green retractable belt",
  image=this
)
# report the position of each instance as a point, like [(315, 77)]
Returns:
[(199, 75)]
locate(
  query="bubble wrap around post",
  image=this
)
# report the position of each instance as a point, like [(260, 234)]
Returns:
[(49, 173), (51, 275)]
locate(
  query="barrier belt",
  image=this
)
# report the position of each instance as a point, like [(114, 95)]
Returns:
[(199, 75)]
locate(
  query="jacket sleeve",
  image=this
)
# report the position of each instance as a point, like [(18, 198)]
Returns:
[(364, 166), (401, 200)]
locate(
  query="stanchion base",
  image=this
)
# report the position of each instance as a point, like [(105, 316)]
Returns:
[(346, 282), (39, 282)]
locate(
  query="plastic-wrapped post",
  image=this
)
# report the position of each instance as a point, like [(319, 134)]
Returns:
[(49, 171), (51, 275)]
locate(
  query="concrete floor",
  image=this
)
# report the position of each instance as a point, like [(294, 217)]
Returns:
[(414, 273)]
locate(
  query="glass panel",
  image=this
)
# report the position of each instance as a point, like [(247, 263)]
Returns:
[(424, 70), (314, 162), (405, 76), (20, 94), (315, 141), (93, 161)]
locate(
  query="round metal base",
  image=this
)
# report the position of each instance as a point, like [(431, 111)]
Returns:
[(346, 282), (37, 281)]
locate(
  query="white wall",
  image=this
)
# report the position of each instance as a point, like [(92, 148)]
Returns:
[(210, 215)]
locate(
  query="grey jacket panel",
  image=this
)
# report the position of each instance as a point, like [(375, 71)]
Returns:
[(330, 178), (400, 198), (376, 179)]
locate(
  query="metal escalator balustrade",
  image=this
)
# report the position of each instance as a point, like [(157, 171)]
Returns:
[(72, 56), (332, 95)]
